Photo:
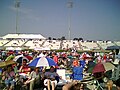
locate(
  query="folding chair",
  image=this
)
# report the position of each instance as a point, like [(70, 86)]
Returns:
[(97, 85), (63, 81)]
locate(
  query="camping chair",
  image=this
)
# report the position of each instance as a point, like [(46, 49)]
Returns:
[(61, 82), (77, 73)]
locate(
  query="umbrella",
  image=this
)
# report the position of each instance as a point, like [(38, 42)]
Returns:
[(98, 68), (11, 57), (6, 63), (108, 66), (102, 67), (91, 65), (113, 47), (10, 52), (29, 57), (43, 61), (20, 58)]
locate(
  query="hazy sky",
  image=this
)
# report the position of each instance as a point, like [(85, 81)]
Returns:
[(90, 19)]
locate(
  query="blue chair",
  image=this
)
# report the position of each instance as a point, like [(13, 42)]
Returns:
[(77, 73), (82, 63)]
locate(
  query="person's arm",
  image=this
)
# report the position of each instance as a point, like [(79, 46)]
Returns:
[(20, 70), (4, 75), (68, 86), (42, 75)]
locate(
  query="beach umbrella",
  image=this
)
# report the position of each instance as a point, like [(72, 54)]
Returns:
[(99, 67), (90, 65), (108, 66), (103, 67), (20, 58), (113, 47), (11, 57), (42, 61), (29, 57), (6, 63)]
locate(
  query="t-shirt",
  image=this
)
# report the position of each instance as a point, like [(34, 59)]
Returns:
[(25, 68), (51, 75), (55, 58), (33, 74)]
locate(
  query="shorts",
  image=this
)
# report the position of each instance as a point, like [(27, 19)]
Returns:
[(9, 82), (46, 80)]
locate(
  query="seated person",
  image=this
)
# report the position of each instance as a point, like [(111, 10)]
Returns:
[(24, 70), (9, 77), (34, 78), (51, 78)]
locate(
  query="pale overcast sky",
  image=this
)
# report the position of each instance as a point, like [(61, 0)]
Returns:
[(90, 19)]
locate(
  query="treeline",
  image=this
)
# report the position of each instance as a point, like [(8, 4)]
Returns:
[(64, 38)]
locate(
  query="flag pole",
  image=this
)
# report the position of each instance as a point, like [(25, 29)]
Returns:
[(17, 5), (70, 5)]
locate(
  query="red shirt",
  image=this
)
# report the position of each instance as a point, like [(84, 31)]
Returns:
[(25, 69), (55, 58)]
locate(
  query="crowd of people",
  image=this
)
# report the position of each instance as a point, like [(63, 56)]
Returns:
[(29, 78)]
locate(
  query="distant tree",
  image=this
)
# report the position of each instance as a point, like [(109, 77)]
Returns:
[(59, 39), (80, 39), (75, 39), (54, 38), (88, 40), (49, 38), (63, 38)]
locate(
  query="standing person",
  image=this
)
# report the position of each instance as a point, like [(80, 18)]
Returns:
[(55, 57), (52, 77), (8, 77)]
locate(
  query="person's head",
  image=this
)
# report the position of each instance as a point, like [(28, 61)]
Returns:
[(78, 86), (52, 69), (110, 84), (76, 63), (9, 68), (24, 62), (37, 69)]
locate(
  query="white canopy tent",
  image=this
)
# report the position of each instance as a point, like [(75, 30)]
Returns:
[(23, 36)]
